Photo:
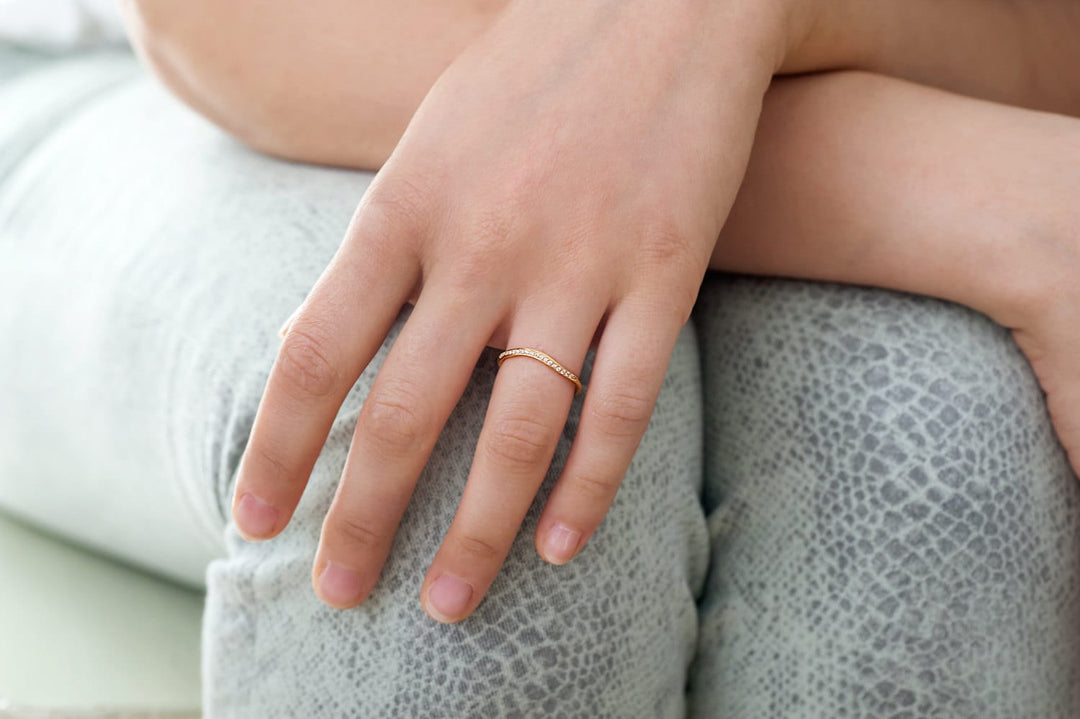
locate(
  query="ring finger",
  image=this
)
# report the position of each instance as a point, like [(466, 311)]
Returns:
[(526, 415)]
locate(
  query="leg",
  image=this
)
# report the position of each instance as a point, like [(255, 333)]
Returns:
[(894, 524), (609, 635), (147, 314), (869, 180), (949, 220), (811, 272)]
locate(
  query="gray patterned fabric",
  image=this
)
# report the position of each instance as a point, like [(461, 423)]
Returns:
[(849, 502), (894, 526), (611, 634)]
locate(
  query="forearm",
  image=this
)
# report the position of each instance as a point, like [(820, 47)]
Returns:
[(335, 81), (870, 180), (1018, 52)]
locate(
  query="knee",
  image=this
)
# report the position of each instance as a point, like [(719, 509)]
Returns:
[(625, 606), (857, 368), (313, 82), (907, 419), (884, 475)]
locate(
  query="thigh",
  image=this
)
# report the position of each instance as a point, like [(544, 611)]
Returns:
[(611, 634), (894, 525), (151, 304)]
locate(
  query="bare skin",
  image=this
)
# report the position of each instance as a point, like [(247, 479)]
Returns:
[(870, 180), (976, 207), (336, 81)]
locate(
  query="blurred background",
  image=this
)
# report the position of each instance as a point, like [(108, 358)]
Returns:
[(61, 25), (81, 634)]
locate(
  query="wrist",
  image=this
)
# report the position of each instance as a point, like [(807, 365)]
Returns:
[(1013, 53), (803, 36), (777, 34), (827, 35)]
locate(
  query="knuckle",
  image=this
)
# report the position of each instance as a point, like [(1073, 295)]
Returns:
[(269, 462), (355, 534), (472, 270), (490, 228), (304, 363), (621, 414), (665, 250), (663, 243), (676, 264), (396, 422), (484, 248), (684, 298), (596, 488), (519, 441), (477, 549), (667, 304), (514, 187), (393, 206)]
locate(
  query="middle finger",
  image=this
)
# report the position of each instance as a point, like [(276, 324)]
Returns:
[(420, 381)]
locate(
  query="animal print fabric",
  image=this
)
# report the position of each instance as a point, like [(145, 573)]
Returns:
[(849, 502), (893, 524), (611, 634), (891, 533)]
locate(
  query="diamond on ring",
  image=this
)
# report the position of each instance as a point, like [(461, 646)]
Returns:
[(546, 359)]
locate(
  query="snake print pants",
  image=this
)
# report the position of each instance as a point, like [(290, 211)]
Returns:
[(849, 503)]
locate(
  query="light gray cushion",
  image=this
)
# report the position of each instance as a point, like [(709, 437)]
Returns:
[(123, 285)]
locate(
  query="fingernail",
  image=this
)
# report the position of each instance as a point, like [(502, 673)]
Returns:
[(561, 544), (448, 598), (285, 327), (255, 518), (339, 586)]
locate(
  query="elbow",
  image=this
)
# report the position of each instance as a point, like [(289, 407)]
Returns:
[(173, 43), (208, 56), (315, 81)]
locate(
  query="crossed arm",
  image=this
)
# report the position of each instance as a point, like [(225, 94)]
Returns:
[(530, 126), (337, 81)]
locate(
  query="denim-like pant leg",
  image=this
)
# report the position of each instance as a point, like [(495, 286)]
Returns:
[(895, 529), (611, 634), (148, 262)]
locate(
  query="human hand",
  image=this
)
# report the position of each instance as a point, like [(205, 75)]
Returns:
[(570, 171), (1047, 330)]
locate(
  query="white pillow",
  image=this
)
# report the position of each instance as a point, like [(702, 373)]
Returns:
[(61, 24)]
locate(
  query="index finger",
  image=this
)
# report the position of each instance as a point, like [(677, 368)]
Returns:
[(332, 338)]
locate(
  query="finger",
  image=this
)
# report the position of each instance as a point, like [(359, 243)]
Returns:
[(526, 415), (626, 377), (417, 387), (329, 341)]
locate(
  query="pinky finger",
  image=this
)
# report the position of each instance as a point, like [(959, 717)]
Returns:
[(626, 377)]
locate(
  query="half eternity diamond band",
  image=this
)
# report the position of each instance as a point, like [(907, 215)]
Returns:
[(546, 359)]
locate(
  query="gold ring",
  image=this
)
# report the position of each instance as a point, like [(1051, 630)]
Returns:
[(547, 360)]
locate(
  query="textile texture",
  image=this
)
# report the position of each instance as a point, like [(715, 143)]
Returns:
[(849, 502)]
